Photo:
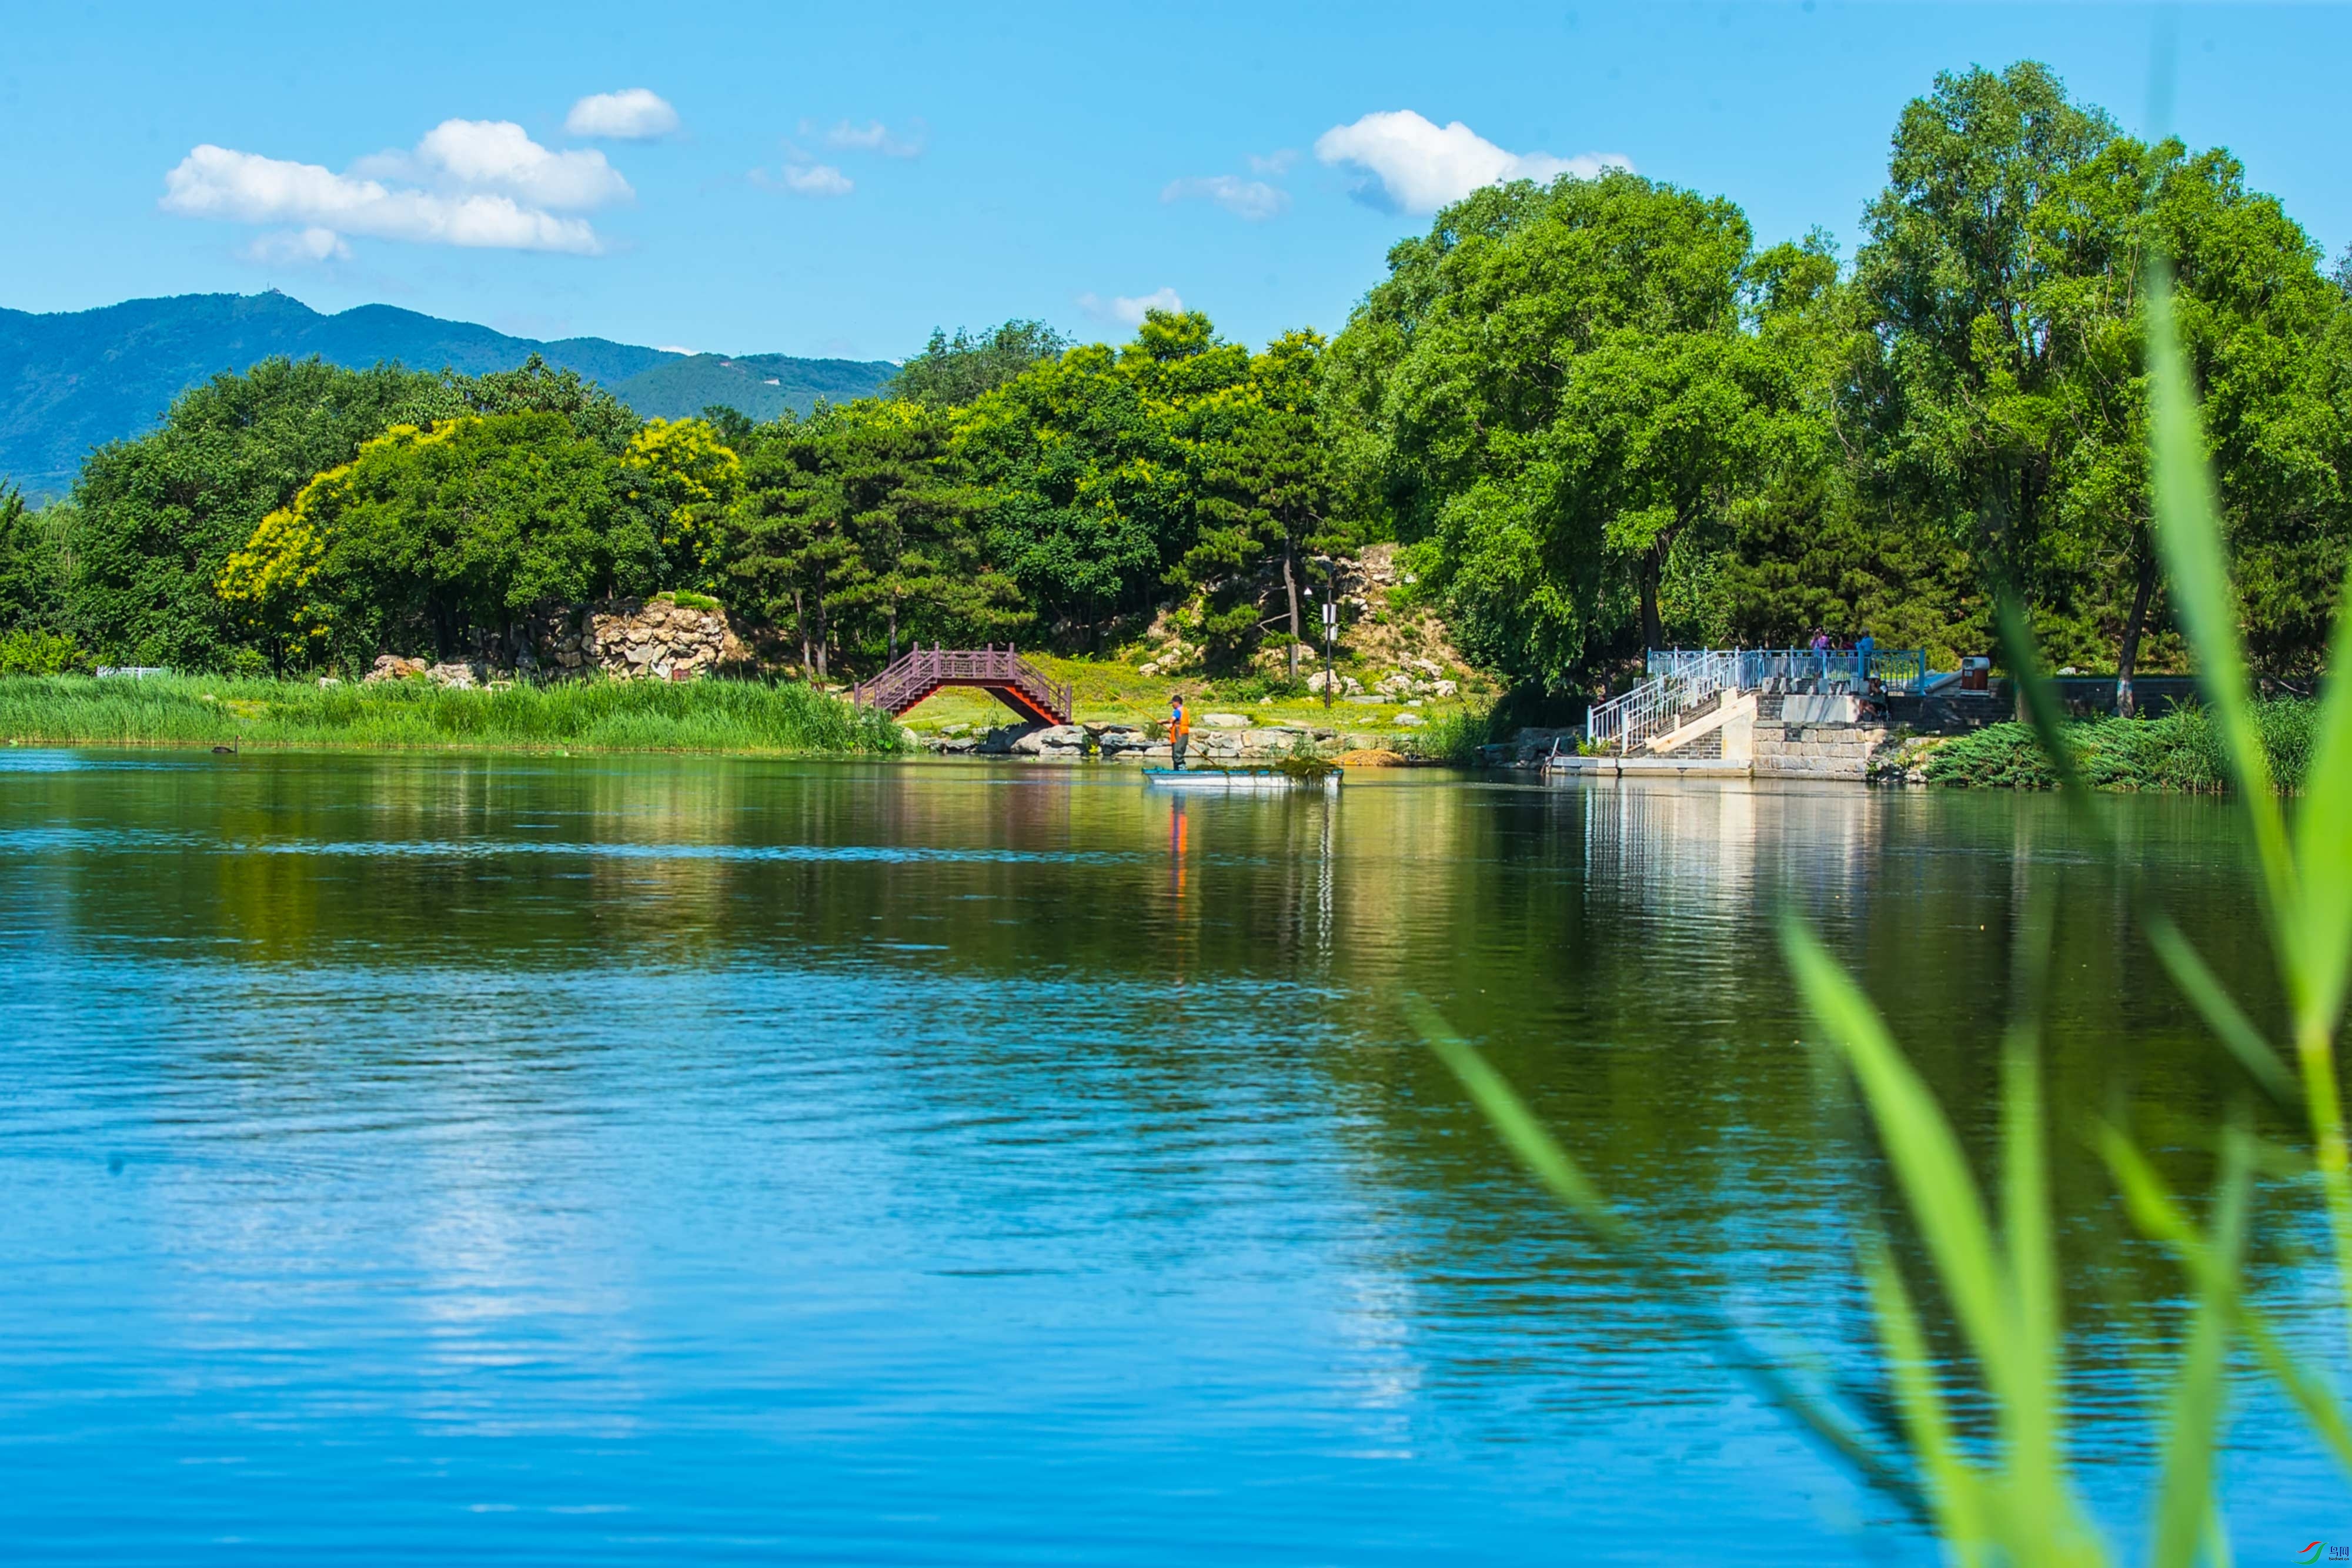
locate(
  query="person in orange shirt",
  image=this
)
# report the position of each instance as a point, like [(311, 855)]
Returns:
[(1179, 732)]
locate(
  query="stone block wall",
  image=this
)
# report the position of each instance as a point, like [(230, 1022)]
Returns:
[(1788, 747)]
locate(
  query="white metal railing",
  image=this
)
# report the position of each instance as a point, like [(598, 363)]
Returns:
[(1683, 678), (1903, 670), (1658, 704)]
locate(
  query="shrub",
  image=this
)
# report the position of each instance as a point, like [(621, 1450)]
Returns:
[(26, 651), (2181, 751)]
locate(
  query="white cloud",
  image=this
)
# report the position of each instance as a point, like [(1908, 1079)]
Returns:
[(633, 114), (812, 180), (1251, 199), (1420, 166), (673, 348), (1127, 312), (500, 155), (246, 187), (875, 137), (1276, 163), (477, 183), (298, 244)]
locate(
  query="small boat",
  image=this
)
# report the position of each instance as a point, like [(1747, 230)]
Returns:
[(1238, 778)]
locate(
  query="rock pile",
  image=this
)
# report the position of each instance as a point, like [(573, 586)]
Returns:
[(1125, 743), (657, 639)]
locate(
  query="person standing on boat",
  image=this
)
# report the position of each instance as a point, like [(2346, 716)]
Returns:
[(1179, 732)]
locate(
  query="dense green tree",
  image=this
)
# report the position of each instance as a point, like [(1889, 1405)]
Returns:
[(1082, 485), (158, 516), (1560, 408), (2005, 405), (32, 566), (1264, 488), (953, 371), (447, 537), (854, 528), (531, 387)]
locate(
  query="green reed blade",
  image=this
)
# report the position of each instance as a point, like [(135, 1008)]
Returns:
[(2041, 705), (2185, 1501), (2188, 537), (1560, 1173), (2322, 845), (2203, 989), (1925, 1154), (2160, 1217), (1953, 1488), (2032, 1425)]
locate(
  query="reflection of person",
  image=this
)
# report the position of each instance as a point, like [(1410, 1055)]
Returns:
[(1180, 731)]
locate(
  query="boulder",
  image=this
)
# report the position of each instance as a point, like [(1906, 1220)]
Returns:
[(392, 667), (461, 677), (1225, 721), (1409, 721)]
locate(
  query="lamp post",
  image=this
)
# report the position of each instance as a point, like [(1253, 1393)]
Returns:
[(1331, 631)]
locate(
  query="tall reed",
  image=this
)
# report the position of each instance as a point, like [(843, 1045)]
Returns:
[(590, 715)]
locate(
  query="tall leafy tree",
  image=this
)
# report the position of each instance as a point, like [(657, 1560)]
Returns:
[(2006, 401), (448, 536), (1558, 405), (1264, 485), (32, 567), (1082, 470), (954, 371), (159, 516), (854, 522)]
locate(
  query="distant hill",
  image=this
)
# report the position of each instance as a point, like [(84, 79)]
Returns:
[(76, 379)]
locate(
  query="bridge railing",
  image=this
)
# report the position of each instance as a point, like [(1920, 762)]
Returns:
[(923, 670)]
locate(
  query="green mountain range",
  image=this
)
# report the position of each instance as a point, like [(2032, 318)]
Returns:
[(76, 379)]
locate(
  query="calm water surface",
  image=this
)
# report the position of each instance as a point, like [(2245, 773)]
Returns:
[(665, 1161)]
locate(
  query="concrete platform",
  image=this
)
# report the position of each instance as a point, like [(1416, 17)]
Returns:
[(1638, 767)]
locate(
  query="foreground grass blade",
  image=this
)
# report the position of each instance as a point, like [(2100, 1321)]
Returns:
[(2032, 1425), (2323, 846), (1955, 1490), (2041, 705), (2184, 1502), (2309, 941), (2159, 1214), (2188, 537), (2203, 989), (1921, 1148), (1557, 1170)]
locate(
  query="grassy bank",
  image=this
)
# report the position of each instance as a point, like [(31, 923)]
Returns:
[(2181, 751), (1110, 690), (579, 715)]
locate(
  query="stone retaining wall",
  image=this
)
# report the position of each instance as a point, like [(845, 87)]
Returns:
[(1796, 749)]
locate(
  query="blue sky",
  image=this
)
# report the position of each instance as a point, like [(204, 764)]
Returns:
[(840, 179)]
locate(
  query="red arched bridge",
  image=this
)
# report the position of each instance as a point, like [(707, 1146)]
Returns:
[(1000, 671)]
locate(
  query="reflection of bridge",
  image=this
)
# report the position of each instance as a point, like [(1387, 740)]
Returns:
[(1000, 671)]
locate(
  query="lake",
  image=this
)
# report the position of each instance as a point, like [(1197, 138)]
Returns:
[(660, 1160)]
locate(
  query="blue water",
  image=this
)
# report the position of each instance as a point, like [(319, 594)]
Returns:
[(661, 1161)]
